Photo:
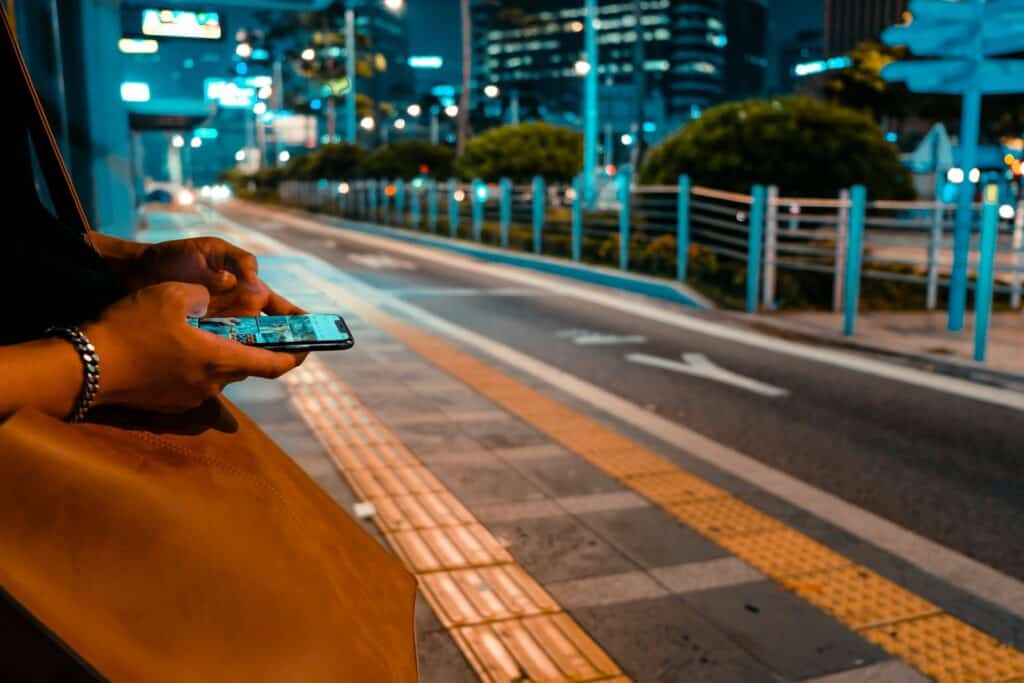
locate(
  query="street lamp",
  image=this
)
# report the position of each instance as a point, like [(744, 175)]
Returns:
[(284, 156), (244, 50), (399, 124), (309, 54), (178, 142), (367, 123), (492, 91), (240, 156), (414, 110), (581, 67), (452, 110), (196, 142)]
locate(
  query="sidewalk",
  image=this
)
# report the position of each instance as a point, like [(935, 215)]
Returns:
[(918, 333), (553, 543)]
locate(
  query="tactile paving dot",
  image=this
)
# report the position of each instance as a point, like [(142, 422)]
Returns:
[(949, 650), (860, 598), (395, 481), (543, 648), (783, 554), (475, 596), (673, 487), (723, 516), (623, 463)]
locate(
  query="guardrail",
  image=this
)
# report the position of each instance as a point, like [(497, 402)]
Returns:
[(751, 247)]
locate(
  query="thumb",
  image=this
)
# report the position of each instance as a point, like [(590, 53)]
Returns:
[(219, 281), (186, 299)]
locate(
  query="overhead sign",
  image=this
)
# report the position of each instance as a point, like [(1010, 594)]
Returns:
[(229, 94), (952, 77), (175, 23), (961, 29)]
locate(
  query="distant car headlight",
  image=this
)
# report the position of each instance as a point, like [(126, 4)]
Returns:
[(186, 198)]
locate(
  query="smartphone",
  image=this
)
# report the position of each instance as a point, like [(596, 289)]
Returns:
[(316, 332)]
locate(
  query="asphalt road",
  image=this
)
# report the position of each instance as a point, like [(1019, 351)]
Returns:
[(947, 467)]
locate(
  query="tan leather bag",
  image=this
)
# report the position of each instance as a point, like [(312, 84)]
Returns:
[(193, 549), (185, 548)]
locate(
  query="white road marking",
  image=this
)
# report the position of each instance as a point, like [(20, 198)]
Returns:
[(636, 306), (698, 365), (928, 556), (588, 338), (465, 291), (382, 262)]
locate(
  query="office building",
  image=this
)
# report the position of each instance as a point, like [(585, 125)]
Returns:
[(745, 70), (805, 47), (386, 31), (658, 59), (850, 22)]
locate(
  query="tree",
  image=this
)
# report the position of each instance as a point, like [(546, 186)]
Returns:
[(806, 147), (861, 86), (408, 159), (522, 151), (337, 160)]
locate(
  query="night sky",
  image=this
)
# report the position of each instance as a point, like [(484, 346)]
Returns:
[(434, 27)]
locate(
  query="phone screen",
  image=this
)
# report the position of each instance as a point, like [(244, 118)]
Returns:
[(296, 332)]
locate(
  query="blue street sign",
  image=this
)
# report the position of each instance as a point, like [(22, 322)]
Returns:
[(964, 33)]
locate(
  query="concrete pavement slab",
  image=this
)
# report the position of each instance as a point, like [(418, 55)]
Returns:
[(566, 475), (784, 632), (699, 576), (665, 641), (891, 671), (651, 538), (612, 589), (486, 481), (599, 502)]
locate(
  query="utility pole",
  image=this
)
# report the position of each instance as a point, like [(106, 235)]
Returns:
[(590, 131), (467, 75), (350, 56)]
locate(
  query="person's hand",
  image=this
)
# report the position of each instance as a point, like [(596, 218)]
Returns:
[(152, 359), (228, 272)]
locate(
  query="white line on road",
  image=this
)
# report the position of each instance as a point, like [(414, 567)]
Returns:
[(698, 365), (381, 262), (589, 338), (638, 307)]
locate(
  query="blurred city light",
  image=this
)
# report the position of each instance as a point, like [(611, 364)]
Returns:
[(481, 192), (240, 155), (259, 108), (399, 124), (265, 92), (195, 142), (581, 67), (343, 188), (135, 92), (138, 46), (186, 198), (426, 62), (414, 110), (309, 54), (452, 110), (284, 156), (626, 139), (492, 91), (181, 24), (243, 50), (459, 195), (178, 141), (576, 26), (394, 5), (955, 175), (367, 123), (206, 133), (821, 66), (974, 175), (1006, 212)]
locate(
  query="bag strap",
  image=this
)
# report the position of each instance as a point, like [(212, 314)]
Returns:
[(62, 190)]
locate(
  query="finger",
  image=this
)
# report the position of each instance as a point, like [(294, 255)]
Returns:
[(278, 305), (256, 362), (244, 266), (219, 281), (185, 299)]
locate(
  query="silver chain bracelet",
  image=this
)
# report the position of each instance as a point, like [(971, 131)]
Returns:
[(90, 365)]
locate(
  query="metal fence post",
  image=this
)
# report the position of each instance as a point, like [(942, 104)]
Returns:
[(400, 202), (624, 228), (364, 209), (986, 271), (754, 240), (505, 209), (432, 205), (385, 201), (771, 245), (1017, 245), (854, 256), (414, 205), (539, 192), (477, 202), (931, 299), (374, 211), (839, 253), (577, 218), (682, 227), (453, 208)]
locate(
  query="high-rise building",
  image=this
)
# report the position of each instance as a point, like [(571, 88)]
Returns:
[(663, 57), (386, 31), (849, 22), (745, 72), (804, 47)]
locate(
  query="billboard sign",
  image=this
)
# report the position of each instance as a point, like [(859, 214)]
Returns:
[(174, 23)]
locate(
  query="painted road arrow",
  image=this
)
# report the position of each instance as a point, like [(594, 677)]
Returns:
[(698, 365)]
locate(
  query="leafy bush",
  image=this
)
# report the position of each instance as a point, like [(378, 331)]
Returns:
[(337, 160), (408, 158), (806, 147), (523, 151)]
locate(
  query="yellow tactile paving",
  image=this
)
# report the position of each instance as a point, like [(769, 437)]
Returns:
[(949, 650), (549, 648), (421, 511), (446, 548), (393, 481), (477, 596), (781, 553), (861, 598)]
